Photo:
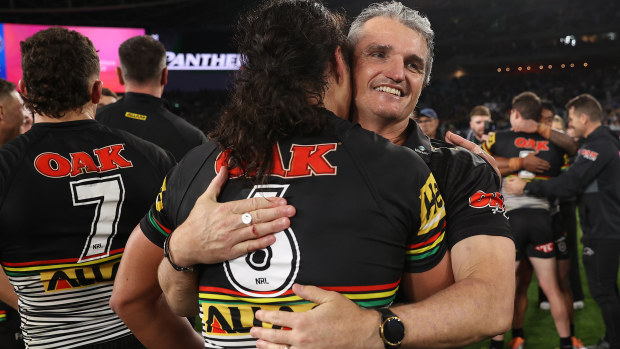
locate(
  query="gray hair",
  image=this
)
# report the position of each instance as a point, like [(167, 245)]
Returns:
[(410, 18)]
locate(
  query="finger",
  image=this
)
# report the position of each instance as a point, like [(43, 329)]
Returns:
[(276, 317), (313, 293), (215, 187), (460, 141), (249, 246), (257, 203), (269, 338), (256, 226)]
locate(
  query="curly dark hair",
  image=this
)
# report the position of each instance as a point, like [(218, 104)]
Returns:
[(142, 59), (58, 66), (287, 47)]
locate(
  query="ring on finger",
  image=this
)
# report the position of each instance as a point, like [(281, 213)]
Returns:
[(246, 218)]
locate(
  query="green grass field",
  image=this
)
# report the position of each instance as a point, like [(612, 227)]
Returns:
[(539, 329)]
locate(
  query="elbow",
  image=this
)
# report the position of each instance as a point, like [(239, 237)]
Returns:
[(185, 308), (119, 304), (502, 318)]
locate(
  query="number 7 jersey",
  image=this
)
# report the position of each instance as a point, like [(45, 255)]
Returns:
[(70, 195)]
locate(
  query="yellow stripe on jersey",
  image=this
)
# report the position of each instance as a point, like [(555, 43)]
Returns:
[(432, 208)]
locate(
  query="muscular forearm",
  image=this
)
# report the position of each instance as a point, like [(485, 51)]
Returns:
[(563, 141), (479, 304), (508, 165), (180, 289), (158, 327), (137, 299)]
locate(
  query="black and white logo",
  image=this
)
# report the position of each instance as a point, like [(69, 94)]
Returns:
[(271, 271)]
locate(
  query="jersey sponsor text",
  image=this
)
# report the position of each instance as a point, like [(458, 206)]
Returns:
[(306, 161), (108, 158)]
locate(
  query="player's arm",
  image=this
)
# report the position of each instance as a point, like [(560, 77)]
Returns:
[(530, 163), (559, 138), (455, 316), (180, 289), (137, 299), (571, 182), (7, 292)]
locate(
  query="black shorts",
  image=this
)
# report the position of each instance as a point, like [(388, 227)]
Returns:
[(559, 237), (565, 230), (533, 233)]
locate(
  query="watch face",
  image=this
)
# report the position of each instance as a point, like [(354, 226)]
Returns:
[(393, 331)]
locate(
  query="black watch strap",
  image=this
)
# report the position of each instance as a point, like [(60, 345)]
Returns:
[(169, 256), (391, 329)]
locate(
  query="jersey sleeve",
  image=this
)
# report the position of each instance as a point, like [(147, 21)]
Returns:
[(488, 145), (427, 246), (471, 188), (163, 215), (590, 161), (157, 224)]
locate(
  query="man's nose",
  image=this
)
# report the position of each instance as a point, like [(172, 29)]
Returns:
[(396, 69)]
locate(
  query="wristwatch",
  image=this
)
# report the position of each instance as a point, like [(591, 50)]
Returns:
[(391, 330)]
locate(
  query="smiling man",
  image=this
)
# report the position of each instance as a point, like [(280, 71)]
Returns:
[(392, 60)]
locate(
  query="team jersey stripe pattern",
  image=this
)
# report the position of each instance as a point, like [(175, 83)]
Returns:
[(228, 315), (67, 300)]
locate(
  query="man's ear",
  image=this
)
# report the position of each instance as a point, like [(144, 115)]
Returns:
[(96, 92), (164, 77), (21, 85), (342, 67), (119, 75)]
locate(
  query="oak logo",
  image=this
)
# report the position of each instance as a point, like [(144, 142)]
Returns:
[(588, 154), (305, 161), (529, 143), (106, 159), (493, 200), (71, 278)]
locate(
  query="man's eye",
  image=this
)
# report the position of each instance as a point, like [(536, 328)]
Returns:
[(378, 54)]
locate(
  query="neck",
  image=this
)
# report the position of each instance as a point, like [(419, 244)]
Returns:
[(394, 130), (87, 112), (591, 129), (149, 89)]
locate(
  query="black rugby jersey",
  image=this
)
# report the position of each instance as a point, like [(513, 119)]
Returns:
[(70, 195), (468, 184), (367, 211), (594, 178), (519, 144), (147, 117)]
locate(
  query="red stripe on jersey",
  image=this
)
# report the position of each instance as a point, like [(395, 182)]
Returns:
[(429, 241), (53, 261)]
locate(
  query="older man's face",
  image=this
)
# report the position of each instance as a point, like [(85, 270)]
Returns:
[(388, 71)]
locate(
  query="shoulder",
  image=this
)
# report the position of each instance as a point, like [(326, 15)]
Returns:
[(157, 155)]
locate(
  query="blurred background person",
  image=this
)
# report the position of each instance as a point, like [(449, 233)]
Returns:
[(12, 112), (479, 118), (429, 123), (107, 97), (142, 111)]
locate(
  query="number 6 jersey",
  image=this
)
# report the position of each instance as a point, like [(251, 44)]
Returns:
[(367, 211), (70, 195)]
